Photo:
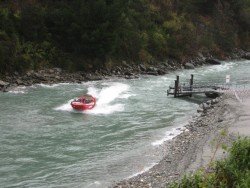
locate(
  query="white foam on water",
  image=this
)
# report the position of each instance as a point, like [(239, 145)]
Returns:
[(106, 96), (109, 94), (126, 96), (145, 169), (48, 86), (219, 68), (19, 90), (106, 109), (79, 89), (52, 85), (26, 160), (169, 135), (93, 91), (65, 107), (94, 184)]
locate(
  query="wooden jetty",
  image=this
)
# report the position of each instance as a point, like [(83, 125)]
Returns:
[(190, 88)]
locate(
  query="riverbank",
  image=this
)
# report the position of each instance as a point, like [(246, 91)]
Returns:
[(128, 71), (199, 144)]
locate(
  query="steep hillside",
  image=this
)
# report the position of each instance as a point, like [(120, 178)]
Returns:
[(88, 35)]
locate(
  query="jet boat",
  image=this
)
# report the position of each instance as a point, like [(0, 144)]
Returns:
[(85, 102)]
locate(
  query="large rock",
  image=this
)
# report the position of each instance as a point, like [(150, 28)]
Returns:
[(199, 62), (30, 73), (51, 71), (125, 64), (205, 106), (189, 66), (201, 56), (212, 94), (161, 72), (19, 82), (215, 101), (213, 61), (142, 67), (3, 84), (7, 88), (127, 73), (152, 71), (246, 56), (131, 77), (200, 110), (38, 76), (91, 77)]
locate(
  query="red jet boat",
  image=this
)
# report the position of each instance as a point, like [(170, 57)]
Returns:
[(85, 102)]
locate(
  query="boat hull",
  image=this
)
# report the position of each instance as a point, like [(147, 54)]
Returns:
[(84, 103)]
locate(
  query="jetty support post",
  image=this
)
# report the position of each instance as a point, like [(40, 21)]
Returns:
[(176, 86), (191, 84)]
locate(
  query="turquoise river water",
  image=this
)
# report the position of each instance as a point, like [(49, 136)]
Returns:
[(44, 143)]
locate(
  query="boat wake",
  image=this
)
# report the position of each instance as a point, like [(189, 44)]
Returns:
[(109, 99), (52, 85), (19, 90)]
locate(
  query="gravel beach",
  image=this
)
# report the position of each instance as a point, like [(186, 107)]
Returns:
[(198, 144)]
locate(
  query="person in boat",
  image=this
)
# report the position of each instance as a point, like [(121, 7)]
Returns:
[(87, 101), (77, 100)]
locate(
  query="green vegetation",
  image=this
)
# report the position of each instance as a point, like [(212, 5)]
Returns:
[(231, 172), (87, 34)]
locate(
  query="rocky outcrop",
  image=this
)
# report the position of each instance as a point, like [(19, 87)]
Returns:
[(213, 61), (189, 66), (246, 56), (212, 94), (92, 77), (203, 107), (3, 85)]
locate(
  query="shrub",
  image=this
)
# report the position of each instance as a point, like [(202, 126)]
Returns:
[(234, 171)]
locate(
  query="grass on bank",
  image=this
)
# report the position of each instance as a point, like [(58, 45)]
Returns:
[(231, 172)]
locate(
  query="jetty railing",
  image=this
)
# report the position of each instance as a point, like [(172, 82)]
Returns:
[(189, 88)]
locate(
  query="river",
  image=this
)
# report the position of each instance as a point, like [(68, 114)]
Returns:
[(44, 143)]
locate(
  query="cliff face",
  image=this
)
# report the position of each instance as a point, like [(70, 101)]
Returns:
[(94, 34)]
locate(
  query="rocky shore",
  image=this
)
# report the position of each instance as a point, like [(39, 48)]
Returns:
[(193, 148), (125, 70)]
